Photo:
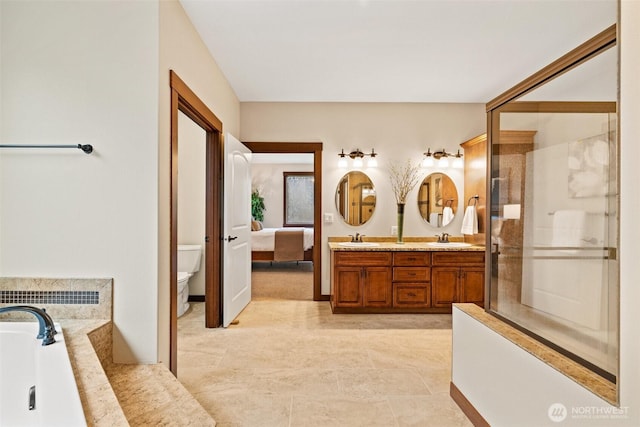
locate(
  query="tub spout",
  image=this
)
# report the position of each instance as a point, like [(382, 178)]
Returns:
[(47, 328)]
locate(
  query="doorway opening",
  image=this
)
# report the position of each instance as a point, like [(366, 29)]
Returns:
[(315, 149), (184, 100)]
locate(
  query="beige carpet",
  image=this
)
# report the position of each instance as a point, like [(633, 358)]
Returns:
[(282, 281)]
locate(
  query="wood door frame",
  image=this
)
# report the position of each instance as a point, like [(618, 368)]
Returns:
[(185, 100), (314, 148)]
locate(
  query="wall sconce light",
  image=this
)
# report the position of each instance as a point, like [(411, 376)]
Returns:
[(357, 156), (442, 157)]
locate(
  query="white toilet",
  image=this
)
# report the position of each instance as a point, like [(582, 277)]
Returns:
[(188, 263)]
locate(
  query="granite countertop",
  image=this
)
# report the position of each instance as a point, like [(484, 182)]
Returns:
[(407, 246)]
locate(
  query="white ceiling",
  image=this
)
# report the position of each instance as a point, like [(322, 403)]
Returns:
[(389, 50)]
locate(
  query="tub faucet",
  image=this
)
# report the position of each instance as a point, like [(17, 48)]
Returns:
[(47, 328)]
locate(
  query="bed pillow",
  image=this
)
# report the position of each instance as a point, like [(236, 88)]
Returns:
[(256, 225)]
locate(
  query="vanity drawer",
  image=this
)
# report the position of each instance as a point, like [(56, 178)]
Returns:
[(411, 258), (362, 258), (411, 295), (456, 258), (411, 274)]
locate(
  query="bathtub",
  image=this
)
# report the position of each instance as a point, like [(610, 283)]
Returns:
[(37, 376)]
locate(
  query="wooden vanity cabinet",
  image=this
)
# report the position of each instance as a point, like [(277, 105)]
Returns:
[(405, 281), (457, 277), (361, 280)]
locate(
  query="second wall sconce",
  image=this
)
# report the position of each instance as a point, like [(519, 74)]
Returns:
[(357, 157), (443, 159)]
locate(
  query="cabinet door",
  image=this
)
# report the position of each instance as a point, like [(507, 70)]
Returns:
[(444, 284), (347, 287), (377, 287), (472, 285)]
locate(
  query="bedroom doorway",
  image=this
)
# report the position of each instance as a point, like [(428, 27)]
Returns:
[(284, 154)]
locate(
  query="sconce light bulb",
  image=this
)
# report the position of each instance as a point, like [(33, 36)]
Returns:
[(342, 162), (427, 162), (357, 162), (443, 162), (458, 163), (372, 162)]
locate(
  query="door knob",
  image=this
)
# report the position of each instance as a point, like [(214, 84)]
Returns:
[(230, 238)]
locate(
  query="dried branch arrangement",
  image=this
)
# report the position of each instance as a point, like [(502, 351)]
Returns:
[(403, 179)]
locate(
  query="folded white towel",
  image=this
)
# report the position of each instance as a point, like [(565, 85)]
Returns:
[(434, 219), (470, 221), (447, 215), (568, 228)]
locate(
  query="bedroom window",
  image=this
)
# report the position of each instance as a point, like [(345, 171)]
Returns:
[(298, 199)]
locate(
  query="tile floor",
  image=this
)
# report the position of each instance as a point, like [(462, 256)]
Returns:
[(294, 363)]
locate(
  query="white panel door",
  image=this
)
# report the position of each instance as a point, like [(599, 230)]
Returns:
[(237, 229)]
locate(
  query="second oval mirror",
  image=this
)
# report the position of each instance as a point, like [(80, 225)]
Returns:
[(437, 200), (355, 198)]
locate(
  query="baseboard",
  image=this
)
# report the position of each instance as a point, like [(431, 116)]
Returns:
[(196, 298), (472, 413)]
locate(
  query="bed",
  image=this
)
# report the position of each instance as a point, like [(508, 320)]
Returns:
[(274, 244)]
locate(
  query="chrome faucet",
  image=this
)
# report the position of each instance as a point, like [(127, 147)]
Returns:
[(47, 328), (444, 238)]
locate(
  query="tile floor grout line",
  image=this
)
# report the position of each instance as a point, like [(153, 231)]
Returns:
[(393, 413), (291, 409)]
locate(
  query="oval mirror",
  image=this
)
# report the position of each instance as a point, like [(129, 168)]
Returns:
[(355, 198), (437, 200)]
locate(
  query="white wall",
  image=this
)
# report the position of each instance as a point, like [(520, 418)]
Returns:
[(268, 178), (494, 375), (629, 207), (397, 132), (98, 72), (182, 50), (84, 72), (192, 171)]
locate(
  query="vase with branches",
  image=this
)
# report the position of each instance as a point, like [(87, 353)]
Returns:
[(403, 178)]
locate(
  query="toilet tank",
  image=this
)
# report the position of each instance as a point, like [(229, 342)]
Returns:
[(189, 258)]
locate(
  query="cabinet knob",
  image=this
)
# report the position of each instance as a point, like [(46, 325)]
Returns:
[(411, 294)]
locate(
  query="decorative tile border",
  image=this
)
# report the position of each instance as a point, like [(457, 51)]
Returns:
[(49, 297), (62, 298)]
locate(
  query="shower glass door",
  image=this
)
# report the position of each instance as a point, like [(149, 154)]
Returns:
[(554, 214)]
